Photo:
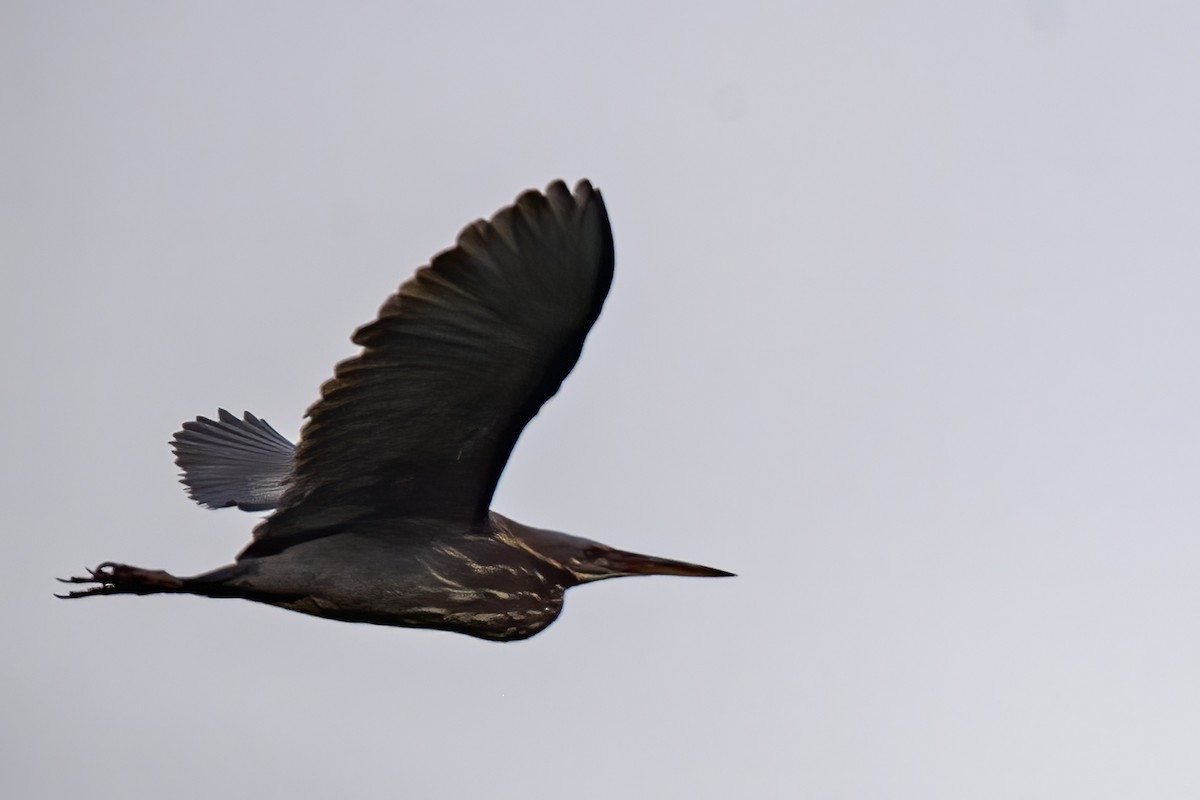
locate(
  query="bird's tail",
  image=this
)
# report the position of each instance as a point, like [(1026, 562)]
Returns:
[(233, 462)]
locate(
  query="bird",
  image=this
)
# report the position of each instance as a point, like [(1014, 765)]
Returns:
[(381, 513)]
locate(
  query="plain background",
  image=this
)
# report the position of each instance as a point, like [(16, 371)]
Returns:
[(904, 331)]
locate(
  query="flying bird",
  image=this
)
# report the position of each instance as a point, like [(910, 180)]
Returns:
[(382, 512)]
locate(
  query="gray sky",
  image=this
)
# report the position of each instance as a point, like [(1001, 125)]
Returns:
[(904, 331)]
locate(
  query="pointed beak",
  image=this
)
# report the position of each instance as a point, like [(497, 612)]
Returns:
[(623, 563)]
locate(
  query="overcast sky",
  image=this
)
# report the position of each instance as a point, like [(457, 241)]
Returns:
[(904, 331)]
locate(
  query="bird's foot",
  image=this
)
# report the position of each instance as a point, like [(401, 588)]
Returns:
[(113, 578)]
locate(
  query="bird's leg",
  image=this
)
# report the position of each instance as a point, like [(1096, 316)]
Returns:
[(113, 578)]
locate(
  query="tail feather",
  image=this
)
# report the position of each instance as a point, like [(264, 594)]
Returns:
[(233, 462)]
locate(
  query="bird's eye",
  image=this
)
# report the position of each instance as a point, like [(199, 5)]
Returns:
[(592, 553)]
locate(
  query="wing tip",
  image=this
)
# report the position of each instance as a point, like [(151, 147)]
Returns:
[(232, 461)]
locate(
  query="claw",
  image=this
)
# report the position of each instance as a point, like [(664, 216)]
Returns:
[(114, 578), (104, 574), (84, 593)]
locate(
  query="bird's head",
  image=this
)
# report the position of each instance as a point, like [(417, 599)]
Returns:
[(589, 561)]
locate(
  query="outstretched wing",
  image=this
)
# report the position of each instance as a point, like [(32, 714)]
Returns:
[(233, 462), (422, 422)]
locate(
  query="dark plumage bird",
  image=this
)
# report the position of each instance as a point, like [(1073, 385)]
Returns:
[(382, 512)]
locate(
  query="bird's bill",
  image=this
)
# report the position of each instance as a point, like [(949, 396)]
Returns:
[(623, 563)]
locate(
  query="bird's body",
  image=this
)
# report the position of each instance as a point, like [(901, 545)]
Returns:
[(477, 580), (381, 513)]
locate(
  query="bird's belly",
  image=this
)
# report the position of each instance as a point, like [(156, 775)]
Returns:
[(375, 583), (486, 617)]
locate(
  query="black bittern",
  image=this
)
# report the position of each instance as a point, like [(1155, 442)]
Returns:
[(382, 511)]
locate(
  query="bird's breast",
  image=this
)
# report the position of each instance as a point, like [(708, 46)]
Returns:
[(471, 584), (486, 594)]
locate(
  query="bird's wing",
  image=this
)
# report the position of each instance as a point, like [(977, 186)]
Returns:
[(233, 462), (422, 422)]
